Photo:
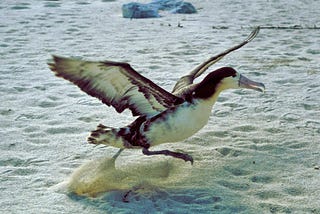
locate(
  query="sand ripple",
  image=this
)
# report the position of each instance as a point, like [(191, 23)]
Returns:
[(258, 154)]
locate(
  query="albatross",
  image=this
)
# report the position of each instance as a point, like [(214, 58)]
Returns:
[(161, 116)]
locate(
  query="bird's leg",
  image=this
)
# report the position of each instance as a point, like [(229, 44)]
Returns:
[(114, 157), (117, 154), (182, 156)]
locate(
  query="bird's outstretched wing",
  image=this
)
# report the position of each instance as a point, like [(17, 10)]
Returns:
[(181, 87), (115, 84)]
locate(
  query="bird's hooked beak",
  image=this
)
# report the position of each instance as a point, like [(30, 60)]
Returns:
[(244, 82)]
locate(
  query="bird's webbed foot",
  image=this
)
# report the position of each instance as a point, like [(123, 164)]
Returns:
[(182, 156)]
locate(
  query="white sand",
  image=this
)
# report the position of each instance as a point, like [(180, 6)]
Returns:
[(258, 154)]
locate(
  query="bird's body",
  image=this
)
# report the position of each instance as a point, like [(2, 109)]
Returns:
[(178, 123), (163, 117), (172, 125)]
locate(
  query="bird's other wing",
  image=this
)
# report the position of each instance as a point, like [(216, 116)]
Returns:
[(196, 72), (116, 84)]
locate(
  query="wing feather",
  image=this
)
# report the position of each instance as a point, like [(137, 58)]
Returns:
[(115, 84), (183, 84)]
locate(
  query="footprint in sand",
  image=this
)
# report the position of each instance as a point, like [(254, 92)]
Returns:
[(225, 151), (261, 179)]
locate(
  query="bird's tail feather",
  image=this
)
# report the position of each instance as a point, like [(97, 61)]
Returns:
[(106, 135)]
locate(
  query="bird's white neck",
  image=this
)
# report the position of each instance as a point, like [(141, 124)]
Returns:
[(211, 100)]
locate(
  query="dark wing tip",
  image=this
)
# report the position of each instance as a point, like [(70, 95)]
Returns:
[(57, 65), (53, 63), (57, 58)]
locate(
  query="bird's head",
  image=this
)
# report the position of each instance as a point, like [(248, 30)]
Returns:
[(222, 79)]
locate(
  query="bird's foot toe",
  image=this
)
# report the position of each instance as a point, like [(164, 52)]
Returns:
[(179, 155), (185, 157)]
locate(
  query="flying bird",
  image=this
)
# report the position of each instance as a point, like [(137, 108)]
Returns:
[(162, 117)]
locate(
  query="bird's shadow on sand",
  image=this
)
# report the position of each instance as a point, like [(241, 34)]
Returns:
[(151, 199), (154, 186)]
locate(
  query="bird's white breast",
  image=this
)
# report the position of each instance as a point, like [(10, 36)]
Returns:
[(179, 123)]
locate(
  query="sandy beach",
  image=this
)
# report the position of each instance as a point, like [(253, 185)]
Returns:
[(259, 153)]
